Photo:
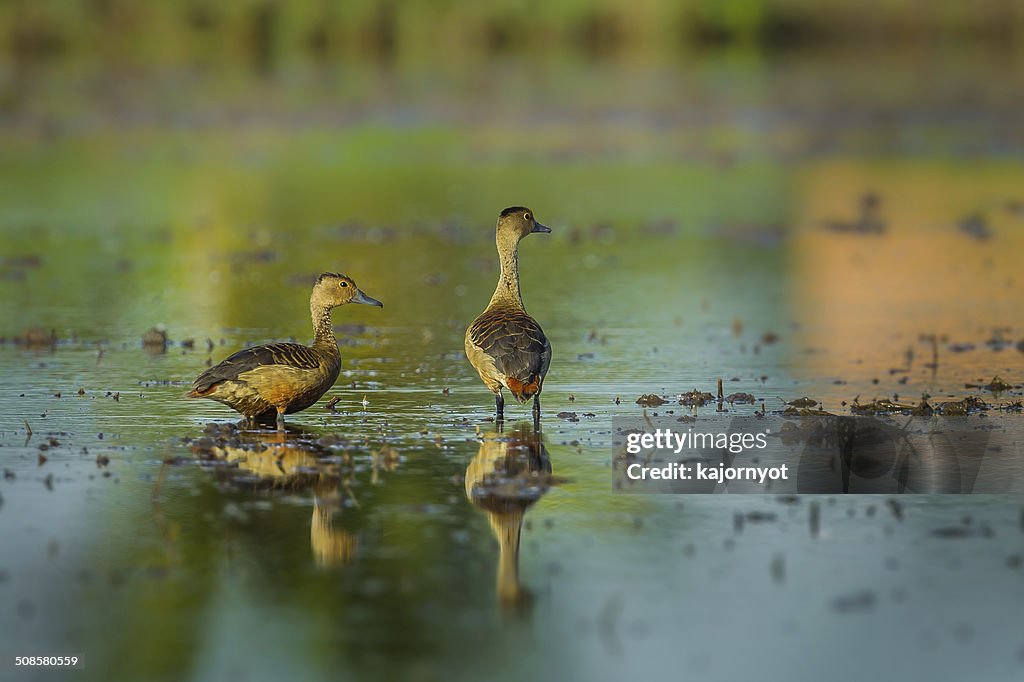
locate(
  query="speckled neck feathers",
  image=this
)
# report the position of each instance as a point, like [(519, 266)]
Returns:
[(323, 329), (507, 292)]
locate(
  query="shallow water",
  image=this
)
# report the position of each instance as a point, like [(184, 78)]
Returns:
[(351, 545)]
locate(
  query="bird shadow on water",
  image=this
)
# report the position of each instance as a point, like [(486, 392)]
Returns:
[(509, 474)]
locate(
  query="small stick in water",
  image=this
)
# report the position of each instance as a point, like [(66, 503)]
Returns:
[(815, 519)]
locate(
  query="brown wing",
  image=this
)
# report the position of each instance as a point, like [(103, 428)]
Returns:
[(517, 345), (291, 354)]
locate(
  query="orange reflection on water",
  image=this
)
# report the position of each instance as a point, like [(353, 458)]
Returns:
[(864, 300)]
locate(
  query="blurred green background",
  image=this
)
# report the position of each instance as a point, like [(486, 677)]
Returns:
[(267, 31)]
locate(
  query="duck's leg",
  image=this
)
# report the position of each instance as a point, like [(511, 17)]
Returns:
[(499, 406), (536, 411), (280, 419)]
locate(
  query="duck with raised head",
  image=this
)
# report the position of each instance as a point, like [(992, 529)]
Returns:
[(504, 344), (284, 378)]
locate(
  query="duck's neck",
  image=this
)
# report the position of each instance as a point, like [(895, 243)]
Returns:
[(507, 528), (323, 330), (507, 292)]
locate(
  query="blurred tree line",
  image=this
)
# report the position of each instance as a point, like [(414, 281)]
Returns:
[(264, 32)]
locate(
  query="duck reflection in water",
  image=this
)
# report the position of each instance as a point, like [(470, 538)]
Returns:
[(289, 461), (510, 472)]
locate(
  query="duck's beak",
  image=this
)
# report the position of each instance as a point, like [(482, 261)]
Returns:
[(537, 227), (360, 297)]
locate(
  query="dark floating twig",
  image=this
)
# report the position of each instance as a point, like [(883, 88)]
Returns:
[(815, 519)]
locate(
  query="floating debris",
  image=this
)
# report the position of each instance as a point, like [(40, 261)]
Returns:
[(649, 400), (886, 406), (975, 225), (695, 398), (961, 408), (803, 402), (155, 338), (805, 412), (868, 222), (961, 532), (997, 385), (858, 602), (740, 398)]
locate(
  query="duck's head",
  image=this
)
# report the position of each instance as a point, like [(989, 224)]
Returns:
[(332, 290), (516, 222)]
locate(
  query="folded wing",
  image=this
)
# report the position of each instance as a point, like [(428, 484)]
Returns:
[(291, 354), (518, 347)]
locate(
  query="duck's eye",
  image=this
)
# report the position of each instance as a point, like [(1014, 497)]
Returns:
[(527, 217), (343, 284)]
